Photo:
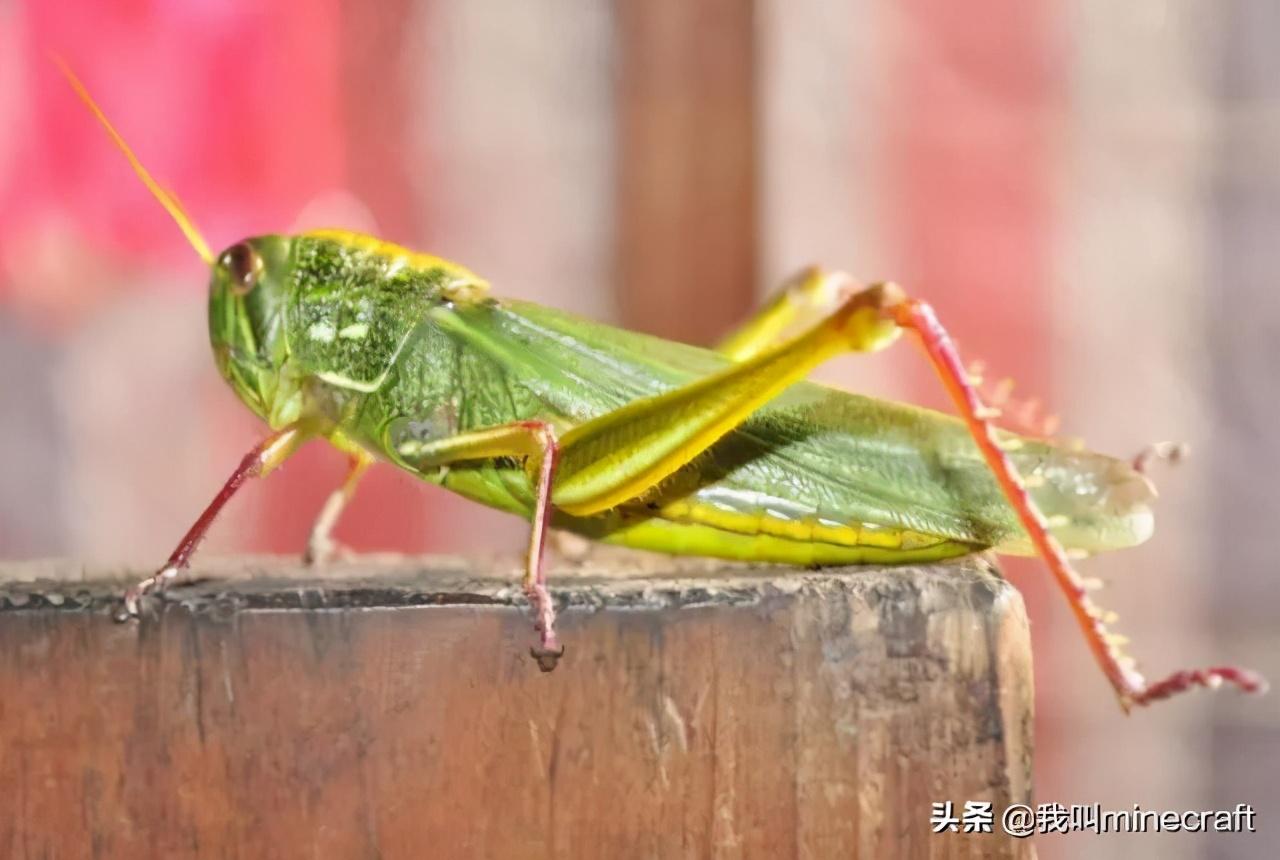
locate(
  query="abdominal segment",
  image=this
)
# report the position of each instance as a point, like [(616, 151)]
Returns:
[(689, 527), (695, 525)]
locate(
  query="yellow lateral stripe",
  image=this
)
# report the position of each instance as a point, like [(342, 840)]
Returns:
[(464, 278), (703, 540), (803, 530)]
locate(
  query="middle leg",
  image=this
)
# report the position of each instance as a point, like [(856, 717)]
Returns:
[(321, 548)]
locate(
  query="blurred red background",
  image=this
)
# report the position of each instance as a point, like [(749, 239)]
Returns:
[(1083, 190)]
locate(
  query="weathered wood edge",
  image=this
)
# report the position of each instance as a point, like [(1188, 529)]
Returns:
[(278, 583), (898, 610)]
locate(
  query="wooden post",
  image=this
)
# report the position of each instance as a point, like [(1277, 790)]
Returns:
[(686, 199), (389, 709)]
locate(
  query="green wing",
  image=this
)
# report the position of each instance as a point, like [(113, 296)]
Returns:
[(815, 453)]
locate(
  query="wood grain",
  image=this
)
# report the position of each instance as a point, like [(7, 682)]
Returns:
[(389, 709)]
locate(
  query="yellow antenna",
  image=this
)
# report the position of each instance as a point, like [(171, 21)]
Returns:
[(165, 197)]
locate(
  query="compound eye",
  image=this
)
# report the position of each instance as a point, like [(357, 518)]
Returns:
[(244, 266)]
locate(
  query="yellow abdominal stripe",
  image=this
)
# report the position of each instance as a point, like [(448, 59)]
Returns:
[(803, 530)]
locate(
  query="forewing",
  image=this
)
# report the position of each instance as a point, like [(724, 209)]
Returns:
[(814, 451)]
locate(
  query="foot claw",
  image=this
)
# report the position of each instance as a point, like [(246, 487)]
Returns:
[(547, 657), (131, 604), (325, 551)]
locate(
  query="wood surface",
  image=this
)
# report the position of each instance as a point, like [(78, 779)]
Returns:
[(388, 708)]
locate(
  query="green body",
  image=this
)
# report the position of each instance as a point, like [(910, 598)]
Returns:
[(382, 349)]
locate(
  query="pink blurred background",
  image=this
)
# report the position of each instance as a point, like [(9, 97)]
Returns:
[(1088, 192)]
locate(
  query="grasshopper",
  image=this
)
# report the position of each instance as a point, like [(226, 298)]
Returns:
[(406, 358)]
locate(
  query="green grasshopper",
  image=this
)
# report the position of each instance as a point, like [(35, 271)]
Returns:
[(405, 358)]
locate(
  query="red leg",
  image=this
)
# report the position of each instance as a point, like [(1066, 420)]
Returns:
[(268, 454), (535, 441), (1130, 686), (548, 650)]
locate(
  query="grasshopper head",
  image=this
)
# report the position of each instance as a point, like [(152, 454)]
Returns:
[(247, 295)]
